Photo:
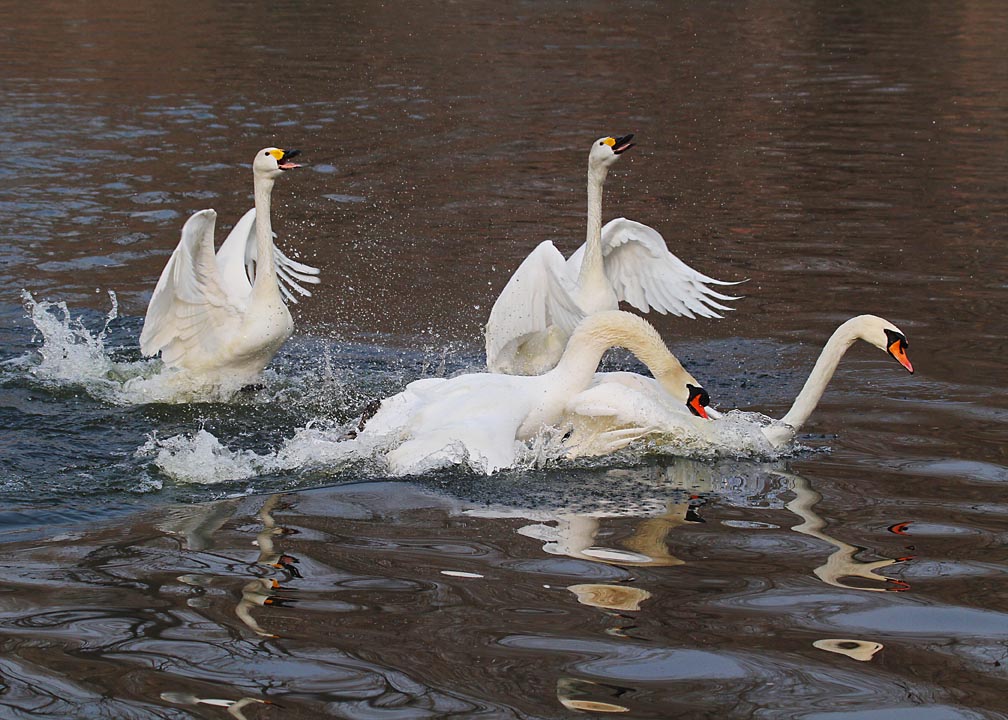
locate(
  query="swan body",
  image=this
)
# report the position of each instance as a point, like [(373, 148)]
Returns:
[(547, 296), (481, 418), (613, 412), (222, 317)]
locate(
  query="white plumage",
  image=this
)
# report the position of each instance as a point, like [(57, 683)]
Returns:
[(624, 261), (221, 317), (480, 418), (622, 407)]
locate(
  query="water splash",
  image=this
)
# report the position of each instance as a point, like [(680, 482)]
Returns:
[(330, 448), (201, 458), (70, 355)]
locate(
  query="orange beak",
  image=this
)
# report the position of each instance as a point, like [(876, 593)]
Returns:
[(898, 351), (698, 401)]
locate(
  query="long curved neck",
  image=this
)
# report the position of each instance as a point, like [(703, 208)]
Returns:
[(592, 269), (825, 366), (616, 328), (265, 272)]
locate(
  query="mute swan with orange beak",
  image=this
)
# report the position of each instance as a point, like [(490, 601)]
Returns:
[(614, 412), (482, 418)]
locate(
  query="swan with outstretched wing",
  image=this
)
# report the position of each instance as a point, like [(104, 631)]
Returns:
[(624, 261), (221, 317)]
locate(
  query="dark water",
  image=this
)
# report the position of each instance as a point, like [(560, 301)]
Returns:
[(845, 158)]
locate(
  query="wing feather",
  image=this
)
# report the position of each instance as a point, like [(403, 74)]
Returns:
[(538, 296), (189, 303), (645, 274), (237, 259)]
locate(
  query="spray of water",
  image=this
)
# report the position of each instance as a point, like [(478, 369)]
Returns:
[(69, 354)]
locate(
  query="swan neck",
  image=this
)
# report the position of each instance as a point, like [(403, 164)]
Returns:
[(822, 372), (599, 332), (265, 275), (592, 264)]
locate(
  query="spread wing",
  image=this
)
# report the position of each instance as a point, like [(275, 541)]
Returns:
[(537, 296), (645, 274), (190, 304), (231, 256), (237, 260)]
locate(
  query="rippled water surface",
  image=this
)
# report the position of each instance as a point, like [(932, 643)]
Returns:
[(207, 559)]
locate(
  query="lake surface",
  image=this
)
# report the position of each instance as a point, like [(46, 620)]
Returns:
[(191, 560)]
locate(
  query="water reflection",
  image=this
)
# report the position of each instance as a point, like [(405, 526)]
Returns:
[(631, 507), (261, 592), (234, 707), (611, 597), (863, 650), (576, 536), (266, 592), (196, 524), (269, 554), (577, 694), (842, 562)]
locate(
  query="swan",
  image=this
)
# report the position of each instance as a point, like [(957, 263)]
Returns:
[(478, 417), (222, 317), (613, 412), (547, 296)]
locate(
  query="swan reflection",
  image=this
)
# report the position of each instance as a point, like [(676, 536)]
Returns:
[(863, 650), (265, 592), (269, 555), (610, 597), (576, 536), (577, 694), (261, 592), (234, 707), (656, 499), (841, 563)]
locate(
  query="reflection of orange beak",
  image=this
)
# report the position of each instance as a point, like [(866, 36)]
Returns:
[(897, 351)]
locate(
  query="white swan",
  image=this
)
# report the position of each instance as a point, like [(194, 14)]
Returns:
[(612, 413), (480, 417), (547, 296), (223, 317)]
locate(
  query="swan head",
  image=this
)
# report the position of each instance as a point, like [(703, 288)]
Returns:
[(606, 150), (896, 345), (271, 162), (698, 400), (884, 335)]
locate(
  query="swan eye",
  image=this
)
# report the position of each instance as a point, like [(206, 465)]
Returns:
[(266, 154)]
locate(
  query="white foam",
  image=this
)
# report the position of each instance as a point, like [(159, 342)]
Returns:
[(71, 355), (201, 458)]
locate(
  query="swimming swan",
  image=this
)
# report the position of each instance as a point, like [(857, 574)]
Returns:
[(610, 415), (223, 317), (479, 417), (547, 296)]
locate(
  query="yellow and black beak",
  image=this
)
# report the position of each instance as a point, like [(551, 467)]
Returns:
[(283, 158), (621, 144), (698, 401), (896, 346)]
